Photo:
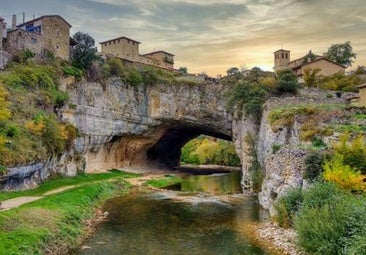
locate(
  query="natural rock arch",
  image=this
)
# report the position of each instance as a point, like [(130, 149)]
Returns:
[(122, 126)]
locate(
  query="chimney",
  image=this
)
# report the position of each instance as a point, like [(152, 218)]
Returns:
[(14, 22)]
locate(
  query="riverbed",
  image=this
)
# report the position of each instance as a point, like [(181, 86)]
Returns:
[(178, 222)]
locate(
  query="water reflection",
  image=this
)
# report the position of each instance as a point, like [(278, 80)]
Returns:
[(220, 183), (152, 224)]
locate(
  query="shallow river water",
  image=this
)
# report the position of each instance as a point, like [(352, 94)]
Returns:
[(173, 222)]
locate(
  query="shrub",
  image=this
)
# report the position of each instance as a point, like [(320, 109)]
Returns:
[(255, 169), (247, 96), (341, 82), (72, 71), (275, 148), (336, 171), (287, 81), (353, 151), (287, 207), (4, 104), (313, 165), (317, 142), (114, 67), (134, 78), (22, 56), (279, 118), (330, 221), (150, 76)]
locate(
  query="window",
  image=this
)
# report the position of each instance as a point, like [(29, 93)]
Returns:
[(283, 55), (33, 40), (286, 55), (58, 47)]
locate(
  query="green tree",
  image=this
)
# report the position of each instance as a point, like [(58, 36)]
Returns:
[(182, 70), (84, 53), (310, 77), (308, 57), (287, 81), (341, 53), (233, 71)]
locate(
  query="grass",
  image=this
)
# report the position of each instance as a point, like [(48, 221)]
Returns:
[(349, 128), (55, 222), (359, 116), (167, 180), (66, 181)]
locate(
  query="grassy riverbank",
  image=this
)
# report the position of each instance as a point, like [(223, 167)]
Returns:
[(56, 223)]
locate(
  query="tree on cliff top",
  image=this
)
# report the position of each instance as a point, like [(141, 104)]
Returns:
[(84, 53), (341, 53)]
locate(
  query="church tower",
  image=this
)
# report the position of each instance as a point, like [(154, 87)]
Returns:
[(281, 59)]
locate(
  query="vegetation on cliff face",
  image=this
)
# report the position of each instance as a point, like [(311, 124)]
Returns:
[(249, 92), (329, 216), (207, 150), (29, 127)]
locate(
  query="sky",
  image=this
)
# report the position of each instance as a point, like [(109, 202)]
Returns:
[(212, 35)]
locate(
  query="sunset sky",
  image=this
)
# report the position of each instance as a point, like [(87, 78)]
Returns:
[(212, 35)]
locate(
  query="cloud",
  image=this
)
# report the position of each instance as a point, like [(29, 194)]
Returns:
[(213, 35)]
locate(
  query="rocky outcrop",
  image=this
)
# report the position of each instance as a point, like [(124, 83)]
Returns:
[(120, 123), (28, 176)]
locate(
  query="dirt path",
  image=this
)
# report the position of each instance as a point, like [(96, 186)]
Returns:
[(15, 202), (18, 201), (58, 190)]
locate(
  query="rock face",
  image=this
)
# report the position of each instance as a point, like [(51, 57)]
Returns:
[(124, 126)]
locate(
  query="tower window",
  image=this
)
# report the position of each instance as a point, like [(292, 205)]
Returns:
[(283, 55), (286, 55)]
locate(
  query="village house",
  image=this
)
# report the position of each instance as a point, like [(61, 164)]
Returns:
[(45, 34), (310, 61), (162, 58), (362, 95), (128, 50)]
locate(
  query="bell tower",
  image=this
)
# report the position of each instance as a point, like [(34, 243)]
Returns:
[(281, 59)]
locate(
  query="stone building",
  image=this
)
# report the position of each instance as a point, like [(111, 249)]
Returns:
[(362, 95), (162, 58), (3, 32), (49, 33), (121, 47), (128, 50), (309, 61)]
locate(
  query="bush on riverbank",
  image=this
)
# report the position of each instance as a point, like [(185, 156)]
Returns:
[(327, 219)]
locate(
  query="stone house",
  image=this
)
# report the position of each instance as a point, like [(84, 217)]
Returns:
[(310, 61), (163, 59), (128, 50), (49, 33), (362, 95)]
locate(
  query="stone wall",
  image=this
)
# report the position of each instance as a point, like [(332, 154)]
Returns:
[(19, 40), (362, 97), (4, 58), (327, 68)]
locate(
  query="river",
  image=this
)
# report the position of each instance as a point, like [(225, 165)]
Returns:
[(176, 222)]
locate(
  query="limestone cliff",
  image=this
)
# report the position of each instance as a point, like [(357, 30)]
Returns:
[(125, 126)]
